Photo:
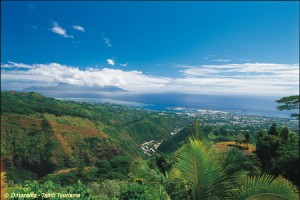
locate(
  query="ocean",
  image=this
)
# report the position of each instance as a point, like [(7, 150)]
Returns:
[(248, 105)]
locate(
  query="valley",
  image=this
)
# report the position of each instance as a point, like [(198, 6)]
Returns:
[(45, 140)]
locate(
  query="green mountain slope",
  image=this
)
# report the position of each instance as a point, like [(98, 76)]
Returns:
[(40, 135)]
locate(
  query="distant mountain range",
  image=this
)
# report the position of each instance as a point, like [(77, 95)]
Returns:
[(70, 87)]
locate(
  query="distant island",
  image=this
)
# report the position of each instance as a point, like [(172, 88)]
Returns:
[(72, 87)]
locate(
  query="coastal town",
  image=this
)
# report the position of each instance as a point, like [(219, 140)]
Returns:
[(231, 121)]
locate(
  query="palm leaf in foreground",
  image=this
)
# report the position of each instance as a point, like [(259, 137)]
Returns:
[(234, 161), (265, 187), (206, 177)]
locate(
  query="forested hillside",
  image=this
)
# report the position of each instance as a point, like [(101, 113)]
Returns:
[(93, 151), (40, 135)]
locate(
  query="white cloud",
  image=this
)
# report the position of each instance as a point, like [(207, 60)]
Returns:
[(78, 28), (124, 64), (243, 70), (107, 41), (261, 78), (247, 78), (11, 65), (57, 73), (60, 31), (110, 61)]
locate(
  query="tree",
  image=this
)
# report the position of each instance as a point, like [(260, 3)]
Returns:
[(163, 163), (289, 103), (247, 139), (273, 130), (260, 133), (287, 161), (197, 133), (266, 148), (104, 167), (223, 131), (279, 154), (120, 164), (284, 134)]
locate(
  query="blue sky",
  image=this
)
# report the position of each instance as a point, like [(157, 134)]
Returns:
[(194, 47)]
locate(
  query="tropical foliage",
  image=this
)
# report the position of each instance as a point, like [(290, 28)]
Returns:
[(289, 103), (42, 135), (207, 174), (93, 150), (278, 151)]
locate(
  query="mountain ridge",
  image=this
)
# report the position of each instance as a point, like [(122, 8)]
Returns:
[(41, 135), (73, 87)]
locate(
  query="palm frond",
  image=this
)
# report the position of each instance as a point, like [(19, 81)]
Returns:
[(265, 187), (234, 161), (201, 172)]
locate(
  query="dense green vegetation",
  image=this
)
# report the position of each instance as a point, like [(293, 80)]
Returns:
[(40, 135), (200, 172), (51, 147), (213, 134), (278, 151)]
